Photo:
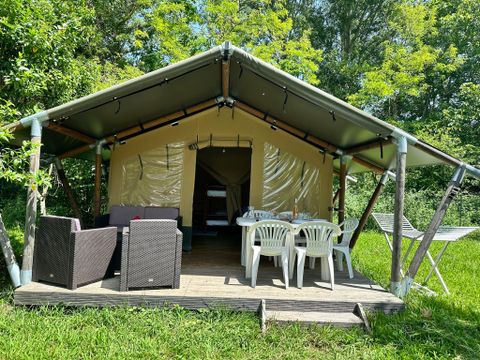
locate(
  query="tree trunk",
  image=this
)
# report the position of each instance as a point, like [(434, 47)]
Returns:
[(43, 194), (9, 255)]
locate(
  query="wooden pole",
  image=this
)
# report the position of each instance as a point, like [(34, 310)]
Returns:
[(68, 190), (368, 210), (341, 192), (225, 78), (98, 180), (31, 212), (452, 189), (70, 133), (398, 216)]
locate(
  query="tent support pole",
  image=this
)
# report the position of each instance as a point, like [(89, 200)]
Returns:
[(31, 211), (98, 179), (368, 210), (341, 194), (452, 189), (395, 276), (68, 190)]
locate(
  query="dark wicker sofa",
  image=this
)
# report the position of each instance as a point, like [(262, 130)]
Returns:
[(120, 216)]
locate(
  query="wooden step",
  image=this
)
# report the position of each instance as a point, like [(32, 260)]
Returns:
[(342, 319)]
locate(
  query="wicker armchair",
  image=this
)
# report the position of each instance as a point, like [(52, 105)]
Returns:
[(151, 255), (66, 255)]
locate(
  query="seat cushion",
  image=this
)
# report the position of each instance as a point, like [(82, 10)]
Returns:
[(121, 215), (157, 212)]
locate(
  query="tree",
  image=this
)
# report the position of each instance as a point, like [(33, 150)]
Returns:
[(350, 34), (47, 55), (178, 30), (14, 167), (390, 89)]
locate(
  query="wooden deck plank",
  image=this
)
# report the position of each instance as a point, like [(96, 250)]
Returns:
[(217, 279), (232, 290)]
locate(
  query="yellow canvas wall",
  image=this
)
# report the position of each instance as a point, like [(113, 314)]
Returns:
[(221, 125)]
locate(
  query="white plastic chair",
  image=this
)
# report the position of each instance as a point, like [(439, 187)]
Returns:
[(274, 237), (319, 244), (289, 215), (252, 214), (343, 249)]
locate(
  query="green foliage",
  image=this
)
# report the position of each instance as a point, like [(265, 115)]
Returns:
[(176, 30), (45, 54), (463, 118), (421, 198), (14, 166), (113, 75), (407, 60)]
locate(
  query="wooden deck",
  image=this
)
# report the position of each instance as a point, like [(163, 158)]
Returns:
[(213, 278)]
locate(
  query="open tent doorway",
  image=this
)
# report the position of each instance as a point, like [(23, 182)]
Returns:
[(222, 192)]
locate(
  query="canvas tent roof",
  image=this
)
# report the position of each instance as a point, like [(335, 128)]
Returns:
[(250, 81)]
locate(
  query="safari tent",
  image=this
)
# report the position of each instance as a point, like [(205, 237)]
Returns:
[(267, 137)]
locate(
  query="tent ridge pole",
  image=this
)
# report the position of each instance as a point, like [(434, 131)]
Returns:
[(226, 69)]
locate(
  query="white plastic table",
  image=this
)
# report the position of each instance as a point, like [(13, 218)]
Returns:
[(245, 223)]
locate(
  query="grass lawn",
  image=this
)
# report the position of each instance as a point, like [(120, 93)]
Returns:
[(431, 327)]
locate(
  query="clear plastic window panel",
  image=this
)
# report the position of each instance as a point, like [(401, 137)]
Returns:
[(154, 177), (286, 178)]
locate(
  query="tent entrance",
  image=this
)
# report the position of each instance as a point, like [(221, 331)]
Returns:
[(222, 189)]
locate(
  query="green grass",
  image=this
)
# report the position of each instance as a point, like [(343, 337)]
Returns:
[(442, 327)]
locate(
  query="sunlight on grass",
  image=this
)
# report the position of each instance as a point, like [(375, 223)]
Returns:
[(430, 327)]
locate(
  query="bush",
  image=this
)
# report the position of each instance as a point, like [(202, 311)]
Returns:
[(419, 206)]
